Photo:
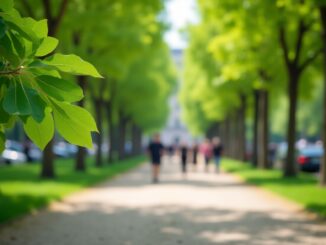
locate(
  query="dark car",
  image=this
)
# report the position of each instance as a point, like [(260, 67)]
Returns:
[(309, 158)]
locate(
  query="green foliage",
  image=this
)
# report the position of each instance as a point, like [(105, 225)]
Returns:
[(303, 189), (235, 48), (153, 80), (31, 87), (72, 64), (41, 132), (59, 89), (126, 50), (74, 123)]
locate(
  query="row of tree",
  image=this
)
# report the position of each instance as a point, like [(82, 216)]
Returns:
[(124, 41), (244, 58)]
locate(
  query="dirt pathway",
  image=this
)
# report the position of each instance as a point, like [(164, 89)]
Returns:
[(204, 208)]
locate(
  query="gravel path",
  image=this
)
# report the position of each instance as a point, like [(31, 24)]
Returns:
[(203, 208)]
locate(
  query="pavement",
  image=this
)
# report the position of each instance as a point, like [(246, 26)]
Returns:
[(199, 208)]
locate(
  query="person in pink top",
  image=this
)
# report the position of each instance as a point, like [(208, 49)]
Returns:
[(207, 151)]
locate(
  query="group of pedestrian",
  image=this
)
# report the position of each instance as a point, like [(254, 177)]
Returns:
[(210, 149)]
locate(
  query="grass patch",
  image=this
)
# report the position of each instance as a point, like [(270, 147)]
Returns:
[(304, 189), (22, 190)]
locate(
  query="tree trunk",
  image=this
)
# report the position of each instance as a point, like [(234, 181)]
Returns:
[(233, 136), (48, 162), (263, 130), (81, 152), (99, 139), (53, 27), (290, 166), (134, 139), (227, 137), (122, 138), (112, 134), (323, 164), (242, 130), (255, 129), (139, 141)]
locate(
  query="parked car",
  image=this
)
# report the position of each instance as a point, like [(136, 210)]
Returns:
[(13, 153), (64, 150), (35, 153), (309, 158)]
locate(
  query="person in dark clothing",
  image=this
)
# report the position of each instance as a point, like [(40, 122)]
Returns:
[(194, 154), (217, 152), (155, 151), (184, 153)]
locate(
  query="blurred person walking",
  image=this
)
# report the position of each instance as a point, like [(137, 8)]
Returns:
[(217, 152), (155, 151), (206, 150), (194, 154), (184, 154)]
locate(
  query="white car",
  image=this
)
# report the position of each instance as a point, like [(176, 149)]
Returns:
[(13, 153)]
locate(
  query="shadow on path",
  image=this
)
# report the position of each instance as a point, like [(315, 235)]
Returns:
[(98, 224), (203, 209)]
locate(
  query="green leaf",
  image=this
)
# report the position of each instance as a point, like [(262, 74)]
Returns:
[(3, 28), (4, 116), (74, 123), (22, 26), (40, 28), (7, 51), (18, 45), (6, 5), (20, 100), (72, 64), (11, 122), (2, 141), (40, 69), (38, 64), (47, 46), (60, 89), (40, 133), (4, 83)]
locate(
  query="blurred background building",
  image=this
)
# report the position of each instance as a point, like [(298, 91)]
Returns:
[(175, 131)]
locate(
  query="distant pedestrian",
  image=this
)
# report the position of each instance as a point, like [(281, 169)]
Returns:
[(206, 150), (170, 150), (217, 152), (155, 151), (184, 154), (194, 153)]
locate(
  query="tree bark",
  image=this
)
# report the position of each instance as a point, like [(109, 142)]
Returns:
[(294, 70), (323, 163), (233, 136), (98, 103), (255, 129), (54, 21), (81, 152), (134, 139), (263, 130), (112, 134), (122, 138), (139, 148), (47, 170), (53, 26), (242, 130), (227, 137), (290, 168)]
